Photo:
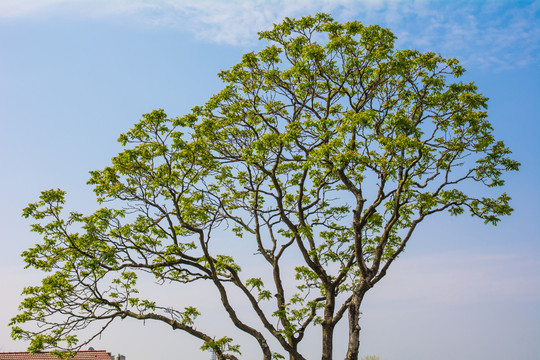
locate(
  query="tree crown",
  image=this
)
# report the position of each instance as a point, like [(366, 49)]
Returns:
[(328, 144)]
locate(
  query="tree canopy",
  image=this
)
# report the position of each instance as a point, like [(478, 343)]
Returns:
[(329, 146)]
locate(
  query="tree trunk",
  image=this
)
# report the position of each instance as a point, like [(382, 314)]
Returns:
[(294, 345), (354, 327), (327, 340), (328, 325)]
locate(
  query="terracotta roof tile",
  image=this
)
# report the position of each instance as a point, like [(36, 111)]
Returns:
[(81, 355)]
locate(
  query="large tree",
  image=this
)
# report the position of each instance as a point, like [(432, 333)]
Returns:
[(328, 147)]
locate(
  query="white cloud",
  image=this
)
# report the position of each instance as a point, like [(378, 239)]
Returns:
[(492, 34), (18, 9), (234, 22)]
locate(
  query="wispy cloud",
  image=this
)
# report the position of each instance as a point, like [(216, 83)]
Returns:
[(492, 34), (484, 34), (19, 9), (234, 22)]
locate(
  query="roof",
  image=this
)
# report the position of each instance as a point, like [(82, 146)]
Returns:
[(81, 355)]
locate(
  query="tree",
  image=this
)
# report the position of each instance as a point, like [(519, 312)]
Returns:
[(328, 146)]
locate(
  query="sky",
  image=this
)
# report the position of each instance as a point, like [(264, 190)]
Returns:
[(76, 74)]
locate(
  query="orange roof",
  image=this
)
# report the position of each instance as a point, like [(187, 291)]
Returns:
[(81, 355)]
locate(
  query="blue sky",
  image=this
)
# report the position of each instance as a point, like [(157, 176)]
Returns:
[(75, 74)]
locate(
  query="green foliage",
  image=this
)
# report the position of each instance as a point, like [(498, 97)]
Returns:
[(329, 145), (223, 344)]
